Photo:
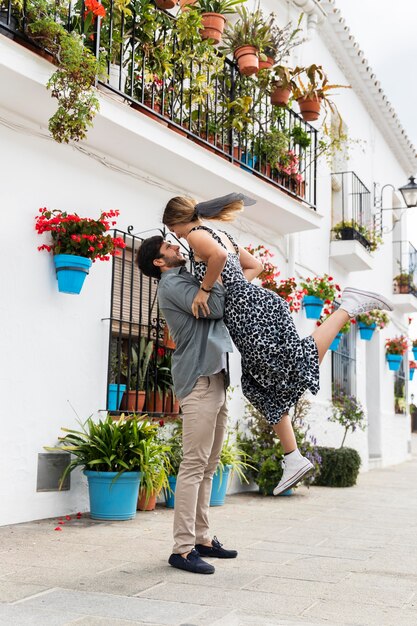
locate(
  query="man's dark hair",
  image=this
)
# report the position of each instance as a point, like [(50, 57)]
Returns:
[(150, 250)]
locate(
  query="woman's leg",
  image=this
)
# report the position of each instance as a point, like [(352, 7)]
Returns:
[(327, 331), (285, 433)]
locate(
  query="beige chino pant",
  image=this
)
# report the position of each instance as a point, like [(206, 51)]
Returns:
[(204, 426)]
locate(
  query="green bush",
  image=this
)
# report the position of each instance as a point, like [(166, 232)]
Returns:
[(339, 467)]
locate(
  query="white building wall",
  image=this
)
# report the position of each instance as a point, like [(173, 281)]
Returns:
[(56, 345)]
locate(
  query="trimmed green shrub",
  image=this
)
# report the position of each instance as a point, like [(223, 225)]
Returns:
[(339, 467)]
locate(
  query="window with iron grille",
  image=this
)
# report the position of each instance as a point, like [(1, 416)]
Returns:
[(344, 364), (400, 403)]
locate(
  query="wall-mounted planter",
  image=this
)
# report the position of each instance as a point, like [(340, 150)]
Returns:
[(313, 307), (71, 271), (411, 373), (336, 341), (366, 332), (415, 352), (394, 361), (114, 396)]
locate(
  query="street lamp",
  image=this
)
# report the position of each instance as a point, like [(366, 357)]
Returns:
[(409, 193)]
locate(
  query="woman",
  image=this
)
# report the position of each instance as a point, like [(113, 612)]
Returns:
[(277, 366)]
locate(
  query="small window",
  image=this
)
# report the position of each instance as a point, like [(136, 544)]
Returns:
[(344, 364), (400, 402)]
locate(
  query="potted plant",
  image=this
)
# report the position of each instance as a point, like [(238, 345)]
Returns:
[(271, 146), (233, 459), (327, 311), (394, 351), (166, 4), (174, 454), (414, 348), (318, 291), (212, 17), (350, 229), (243, 40), (340, 466), (111, 454), (155, 470), (311, 90), (371, 321), (136, 375), (403, 283), (412, 365), (76, 243), (278, 43), (281, 86), (117, 363)]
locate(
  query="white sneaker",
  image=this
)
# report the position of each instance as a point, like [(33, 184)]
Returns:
[(295, 467), (355, 301)]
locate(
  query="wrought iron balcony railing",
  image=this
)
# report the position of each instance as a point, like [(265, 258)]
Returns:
[(352, 215), (151, 61), (405, 268)]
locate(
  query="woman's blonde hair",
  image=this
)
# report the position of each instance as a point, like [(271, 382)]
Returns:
[(181, 210)]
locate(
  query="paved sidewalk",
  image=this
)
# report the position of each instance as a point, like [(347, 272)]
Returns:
[(322, 556)]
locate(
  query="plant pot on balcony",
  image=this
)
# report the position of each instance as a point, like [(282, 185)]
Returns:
[(171, 403), (155, 107), (335, 343), (414, 352), (366, 331), (313, 307), (71, 271), (250, 160), (115, 396), (247, 59), (186, 4), (280, 96), (133, 401), (394, 361), (155, 402), (309, 108), (411, 373), (166, 4), (213, 26)]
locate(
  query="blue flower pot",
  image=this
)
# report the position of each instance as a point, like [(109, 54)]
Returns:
[(411, 373), (313, 307), (250, 159), (71, 271), (219, 486), (113, 499), (394, 361), (335, 343), (289, 492), (114, 396), (170, 495), (414, 353), (366, 332)]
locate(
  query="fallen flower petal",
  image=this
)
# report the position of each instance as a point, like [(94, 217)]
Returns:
[(57, 528)]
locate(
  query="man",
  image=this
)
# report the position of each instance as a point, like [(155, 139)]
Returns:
[(198, 371)]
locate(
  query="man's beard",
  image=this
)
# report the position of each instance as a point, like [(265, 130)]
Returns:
[(171, 262)]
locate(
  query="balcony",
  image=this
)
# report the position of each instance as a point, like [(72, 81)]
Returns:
[(405, 276), (353, 235), (227, 116)]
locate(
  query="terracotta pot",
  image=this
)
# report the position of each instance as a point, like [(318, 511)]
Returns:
[(203, 142), (156, 107), (177, 130), (129, 402), (280, 96), (171, 403), (213, 26), (154, 402), (168, 340), (266, 65), (39, 51), (185, 4), (146, 506), (247, 60), (309, 108), (166, 4)]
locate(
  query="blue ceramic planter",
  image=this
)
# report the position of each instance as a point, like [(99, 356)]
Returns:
[(115, 396), (313, 307), (170, 495), (415, 353), (219, 486), (113, 499), (250, 160), (335, 343), (394, 361), (366, 332), (71, 271), (411, 373)]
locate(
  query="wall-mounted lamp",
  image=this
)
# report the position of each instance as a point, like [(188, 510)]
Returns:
[(408, 192)]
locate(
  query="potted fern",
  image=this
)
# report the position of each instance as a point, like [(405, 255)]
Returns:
[(212, 17)]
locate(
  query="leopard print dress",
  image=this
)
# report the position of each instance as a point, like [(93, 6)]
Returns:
[(277, 366)]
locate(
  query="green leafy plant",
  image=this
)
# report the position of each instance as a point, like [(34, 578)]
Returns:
[(139, 364), (348, 412), (107, 445), (223, 7), (235, 457), (155, 468), (272, 146), (339, 467), (249, 30), (396, 345), (312, 82), (278, 41), (300, 137), (374, 240), (323, 287)]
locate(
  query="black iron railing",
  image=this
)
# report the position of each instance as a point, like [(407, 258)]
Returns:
[(207, 100), (352, 214), (405, 267)]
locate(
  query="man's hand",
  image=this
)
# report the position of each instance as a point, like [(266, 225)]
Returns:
[(200, 305)]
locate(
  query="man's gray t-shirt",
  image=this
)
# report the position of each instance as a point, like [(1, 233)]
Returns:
[(200, 342)]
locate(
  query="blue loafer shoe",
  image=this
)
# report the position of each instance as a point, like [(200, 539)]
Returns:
[(216, 550), (192, 563)]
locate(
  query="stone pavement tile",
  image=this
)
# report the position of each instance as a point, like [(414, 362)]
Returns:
[(105, 621), (340, 613), (11, 591), (118, 607), (267, 556), (21, 615), (87, 562), (235, 599), (318, 550), (319, 569), (239, 618), (375, 590), (213, 616), (304, 588)]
